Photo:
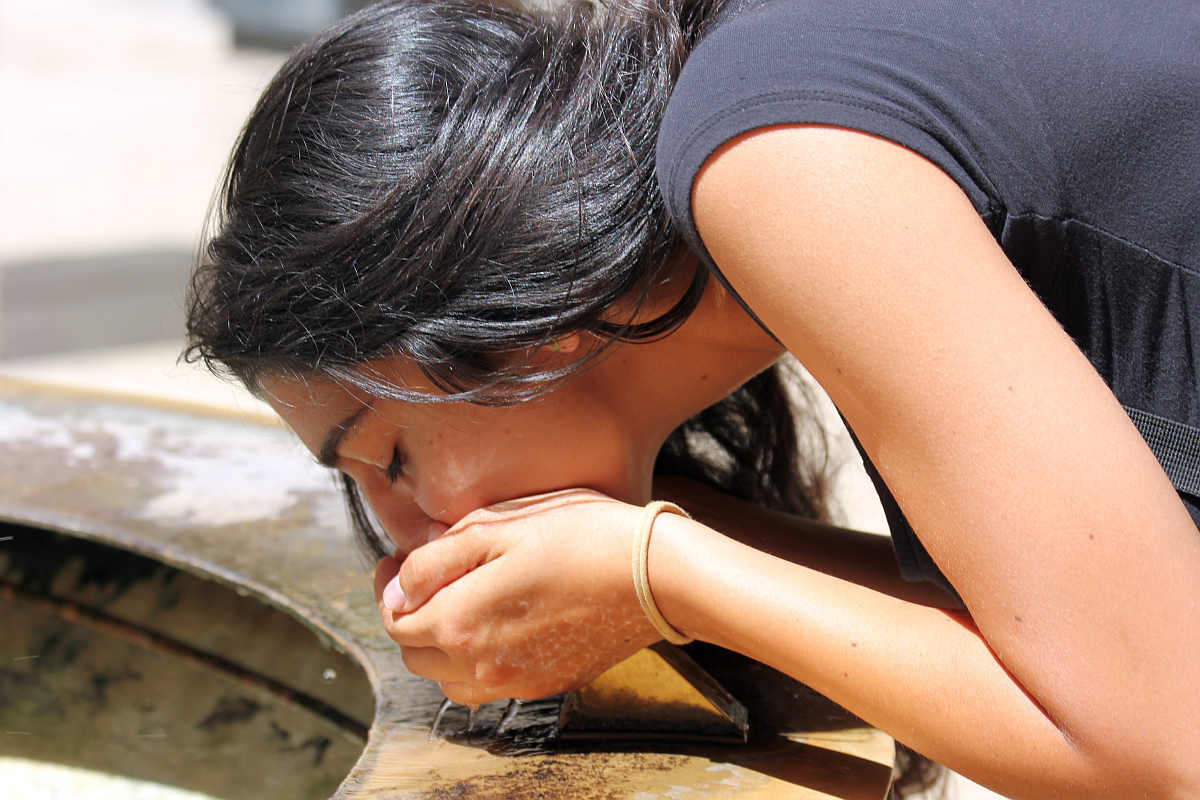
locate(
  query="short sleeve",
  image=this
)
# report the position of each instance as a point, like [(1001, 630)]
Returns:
[(881, 68)]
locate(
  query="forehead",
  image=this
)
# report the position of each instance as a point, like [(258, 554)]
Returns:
[(313, 407)]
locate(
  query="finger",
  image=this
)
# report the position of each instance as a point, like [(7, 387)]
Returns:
[(435, 565), (547, 500), (409, 630), (435, 664)]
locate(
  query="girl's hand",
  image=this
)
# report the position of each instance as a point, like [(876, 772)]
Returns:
[(525, 599)]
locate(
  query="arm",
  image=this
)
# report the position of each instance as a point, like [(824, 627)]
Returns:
[(863, 558), (1028, 484), (550, 575)]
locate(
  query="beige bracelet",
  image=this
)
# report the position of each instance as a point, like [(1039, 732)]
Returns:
[(641, 577)]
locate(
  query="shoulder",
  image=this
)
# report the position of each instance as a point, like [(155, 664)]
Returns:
[(842, 240), (1026, 106), (917, 74)]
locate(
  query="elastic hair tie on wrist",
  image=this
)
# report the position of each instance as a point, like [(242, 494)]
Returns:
[(641, 565)]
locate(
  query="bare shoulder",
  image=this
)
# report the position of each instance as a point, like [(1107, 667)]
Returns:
[(852, 246)]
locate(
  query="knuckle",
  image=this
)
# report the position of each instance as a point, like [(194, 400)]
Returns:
[(537, 689), (393, 633), (454, 636), (456, 693), (468, 694), (413, 572)]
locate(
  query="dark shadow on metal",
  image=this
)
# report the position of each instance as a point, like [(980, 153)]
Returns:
[(114, 662)]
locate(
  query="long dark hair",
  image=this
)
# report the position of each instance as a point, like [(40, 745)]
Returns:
[(452, 182)]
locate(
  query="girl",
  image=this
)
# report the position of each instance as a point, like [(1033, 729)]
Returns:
[(508, 271)]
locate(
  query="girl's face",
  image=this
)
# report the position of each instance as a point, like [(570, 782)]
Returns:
[(424, 465)]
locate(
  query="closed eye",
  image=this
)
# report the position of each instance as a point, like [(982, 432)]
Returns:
[(395, 467)]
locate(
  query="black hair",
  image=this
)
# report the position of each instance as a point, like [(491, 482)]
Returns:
[(453, 182)]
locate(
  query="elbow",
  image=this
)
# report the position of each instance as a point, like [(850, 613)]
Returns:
[(1159, 784), (1141, 782), (1173, 775)]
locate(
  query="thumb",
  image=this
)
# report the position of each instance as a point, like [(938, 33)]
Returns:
[(435, 565)]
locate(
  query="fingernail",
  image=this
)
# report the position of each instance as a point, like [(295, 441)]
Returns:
[(393, 595)]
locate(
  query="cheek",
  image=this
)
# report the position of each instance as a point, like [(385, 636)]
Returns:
[(402, 519), (487, 471)]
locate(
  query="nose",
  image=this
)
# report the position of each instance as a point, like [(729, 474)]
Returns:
[(405, 521), (443, 505)]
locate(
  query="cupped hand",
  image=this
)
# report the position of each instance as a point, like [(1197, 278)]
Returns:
[(524, 599)]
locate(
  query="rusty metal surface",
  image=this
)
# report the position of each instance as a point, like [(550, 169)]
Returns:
[(240, 502)]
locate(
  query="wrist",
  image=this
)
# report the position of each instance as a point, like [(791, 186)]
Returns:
[(641, 562), (672, 577)]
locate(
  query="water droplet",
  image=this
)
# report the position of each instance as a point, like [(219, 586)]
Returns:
[(510, 713), (330, 674), (437, 720)]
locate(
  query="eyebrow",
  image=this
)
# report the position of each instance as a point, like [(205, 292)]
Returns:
[(328, 456)]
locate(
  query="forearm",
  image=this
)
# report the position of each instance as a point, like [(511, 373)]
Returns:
[(863, 558), (922, 674)]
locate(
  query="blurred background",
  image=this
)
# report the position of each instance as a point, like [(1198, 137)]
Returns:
[(118, 118)]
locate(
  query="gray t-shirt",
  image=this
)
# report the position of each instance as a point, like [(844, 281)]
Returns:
[(1073, 127)]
